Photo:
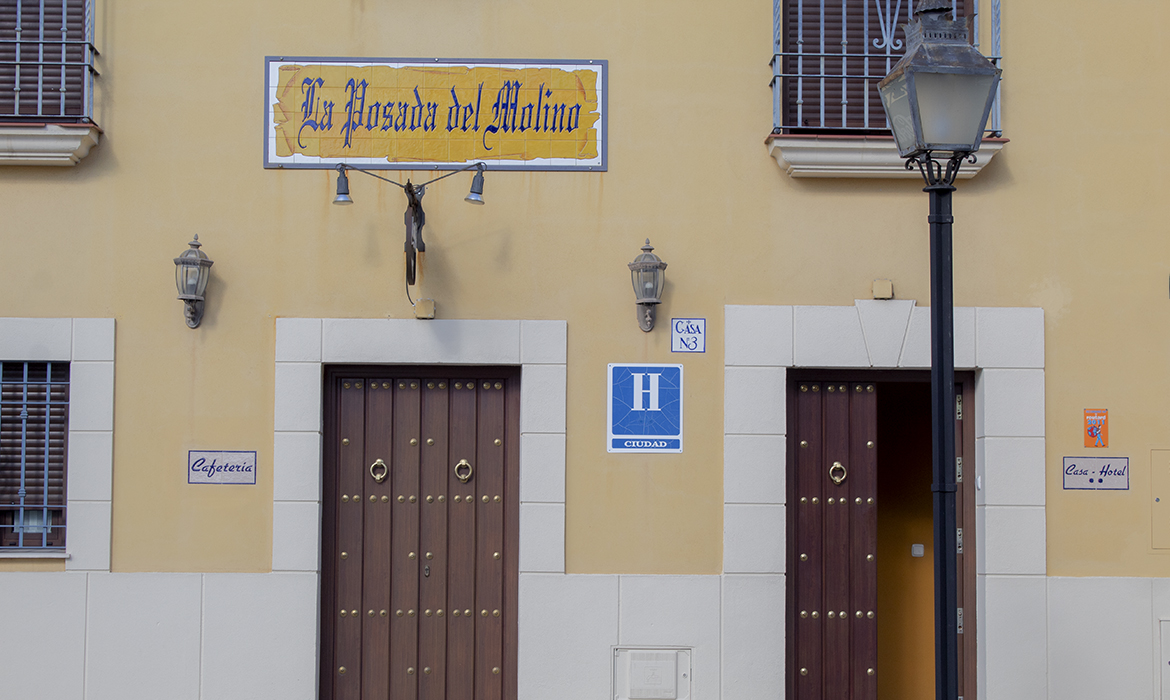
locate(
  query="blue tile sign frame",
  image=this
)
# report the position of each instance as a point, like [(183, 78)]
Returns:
[(1096, 473), (644, 408), (221, 467)]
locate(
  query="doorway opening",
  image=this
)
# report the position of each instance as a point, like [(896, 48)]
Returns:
[(905, 549), (860, 538)]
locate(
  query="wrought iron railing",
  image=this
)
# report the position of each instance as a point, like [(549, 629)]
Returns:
[(34, 426), (829, 56), (46, 61)]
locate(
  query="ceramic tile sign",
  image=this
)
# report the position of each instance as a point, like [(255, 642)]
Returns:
[(432, 114), (221, 467), (688, 335), (1096, 427), (645, 408), (1096, 473)]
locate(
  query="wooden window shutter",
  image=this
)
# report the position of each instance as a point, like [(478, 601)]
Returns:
[(835, 53), (44, 55), (34, 426)]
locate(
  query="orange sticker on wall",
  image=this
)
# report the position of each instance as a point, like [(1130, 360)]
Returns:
[(1096, 427)]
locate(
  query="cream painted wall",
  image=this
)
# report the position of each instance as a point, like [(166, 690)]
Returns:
[(1066, 218)]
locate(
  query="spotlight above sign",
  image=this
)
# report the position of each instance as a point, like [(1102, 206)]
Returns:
[(433, 114)]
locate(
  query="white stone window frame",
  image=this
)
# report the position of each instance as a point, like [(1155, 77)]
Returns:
[(87, 344), (848, 156), (305, 345), (1005, 348)]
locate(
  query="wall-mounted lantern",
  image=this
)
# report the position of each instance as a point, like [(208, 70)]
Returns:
[(647, 274), (192, 270)]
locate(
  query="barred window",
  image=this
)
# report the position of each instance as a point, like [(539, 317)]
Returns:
[(46, 61), (34, 424), (829, 56)]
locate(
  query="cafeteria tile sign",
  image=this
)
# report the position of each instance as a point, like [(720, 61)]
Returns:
[(221, 467), (435, 114)]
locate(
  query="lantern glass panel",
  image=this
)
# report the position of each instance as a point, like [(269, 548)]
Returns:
[(191, 274), (953, 107), (187, 276), (647, 284), (201, 275), (896, 99)]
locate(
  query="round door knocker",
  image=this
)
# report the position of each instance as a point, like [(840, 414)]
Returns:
[(379, 476), (463, 471), (837, 478)]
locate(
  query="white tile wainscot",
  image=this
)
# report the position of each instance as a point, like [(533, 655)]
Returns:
[(243, 636), (142, 636)]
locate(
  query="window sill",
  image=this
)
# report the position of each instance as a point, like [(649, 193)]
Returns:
[(33, 554), (858, 156), (46, 144)]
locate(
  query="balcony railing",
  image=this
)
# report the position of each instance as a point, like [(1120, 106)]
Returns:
[(829, 56), (46, 61)]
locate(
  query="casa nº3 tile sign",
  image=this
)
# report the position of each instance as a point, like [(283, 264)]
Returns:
[(434, 114), (645, 408)]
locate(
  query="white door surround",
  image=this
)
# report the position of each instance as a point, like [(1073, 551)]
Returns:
[(303, 345), (1005, 347)]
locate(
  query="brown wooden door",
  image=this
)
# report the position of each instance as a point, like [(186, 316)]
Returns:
[(832, 552), (419, 536)]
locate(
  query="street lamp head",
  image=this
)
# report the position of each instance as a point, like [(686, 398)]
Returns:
[(925, 6), (938, 96)]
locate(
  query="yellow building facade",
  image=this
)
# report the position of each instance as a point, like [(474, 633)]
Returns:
[(168, 588)]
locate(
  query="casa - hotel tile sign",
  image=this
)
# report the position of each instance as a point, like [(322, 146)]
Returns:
[(435, 114), (1096, 473)]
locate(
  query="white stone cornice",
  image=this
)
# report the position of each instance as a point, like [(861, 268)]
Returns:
[(46, 144), (857, 156)]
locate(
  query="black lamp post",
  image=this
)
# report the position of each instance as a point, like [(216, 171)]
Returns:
[(937, 99)]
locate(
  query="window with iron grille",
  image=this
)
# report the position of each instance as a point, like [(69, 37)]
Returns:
[(46, 61), (34, 424), (829, 56)]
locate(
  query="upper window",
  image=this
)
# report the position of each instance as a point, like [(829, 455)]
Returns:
[(831, 54), (46, 61), (34, 425)]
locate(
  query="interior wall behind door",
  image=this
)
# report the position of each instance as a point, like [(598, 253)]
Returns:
[(905, 582)]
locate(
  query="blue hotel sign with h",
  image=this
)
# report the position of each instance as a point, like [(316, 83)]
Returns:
[(645, 407)]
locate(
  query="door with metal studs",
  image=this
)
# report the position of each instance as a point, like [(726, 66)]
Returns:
[(420, 527), (834, 575)]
